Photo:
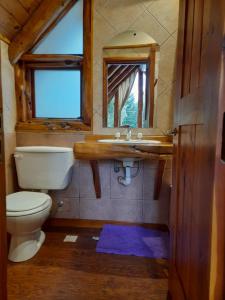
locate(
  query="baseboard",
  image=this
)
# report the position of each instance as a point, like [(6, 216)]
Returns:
[(78, 223)]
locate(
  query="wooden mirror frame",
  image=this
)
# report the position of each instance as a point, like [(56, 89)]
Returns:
[(150, 61)]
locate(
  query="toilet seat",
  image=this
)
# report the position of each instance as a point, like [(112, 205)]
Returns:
[(26, 203)]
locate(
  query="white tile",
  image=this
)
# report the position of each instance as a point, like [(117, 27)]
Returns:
[(99, 3), (103, 31), (69, 210), (94, 209), (147, 3), (165, 109), (167, 65), (148, 181), (73, 188), (156, 211), (86, 179), (166, 12), (8, 91), (121, 14), (126, 211), (147, 23)]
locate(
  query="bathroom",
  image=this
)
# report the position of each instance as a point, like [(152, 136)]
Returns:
[(113, 172), (78, 205)]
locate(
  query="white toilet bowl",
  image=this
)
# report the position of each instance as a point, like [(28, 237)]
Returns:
[(38, 168), (26, 213)]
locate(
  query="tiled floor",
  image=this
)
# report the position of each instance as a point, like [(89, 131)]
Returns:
[(62, 271)]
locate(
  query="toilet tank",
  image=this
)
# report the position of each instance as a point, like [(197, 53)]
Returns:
[(44, 168)]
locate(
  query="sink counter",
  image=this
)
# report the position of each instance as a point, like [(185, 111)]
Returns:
[(91, 149)]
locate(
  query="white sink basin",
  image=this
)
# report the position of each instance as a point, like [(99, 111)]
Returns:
[(130, 142)]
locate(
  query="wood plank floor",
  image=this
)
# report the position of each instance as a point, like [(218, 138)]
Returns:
[(64, 271)]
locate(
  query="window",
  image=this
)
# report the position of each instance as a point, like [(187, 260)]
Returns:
[(57, 71)]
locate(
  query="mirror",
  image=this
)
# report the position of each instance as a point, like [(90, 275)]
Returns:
[(129, 82), (128, 101)]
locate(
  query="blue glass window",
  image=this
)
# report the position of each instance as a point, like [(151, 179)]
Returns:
[(57, 93)]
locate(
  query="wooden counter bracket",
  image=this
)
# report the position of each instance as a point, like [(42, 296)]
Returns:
[(96, 177), (159, 178)]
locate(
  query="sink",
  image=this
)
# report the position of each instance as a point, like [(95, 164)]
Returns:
[(130, 142)]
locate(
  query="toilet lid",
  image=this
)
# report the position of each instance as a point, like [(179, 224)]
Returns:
[(24, 201)]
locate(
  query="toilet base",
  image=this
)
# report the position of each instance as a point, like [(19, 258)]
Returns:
[(24, 247)]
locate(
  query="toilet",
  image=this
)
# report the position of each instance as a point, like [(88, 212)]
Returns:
[(39, 169)]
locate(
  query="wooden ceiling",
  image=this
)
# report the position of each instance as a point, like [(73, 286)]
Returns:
[(14, 14)]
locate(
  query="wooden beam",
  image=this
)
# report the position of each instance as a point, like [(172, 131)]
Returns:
[(87, 82), (105, 94), (96, 178), (101, 151), (54, 65), (158, 178), (116, 110), (152, 87), (140, 97), (20, 88), (43, 17), (51, 57), (154, 46)]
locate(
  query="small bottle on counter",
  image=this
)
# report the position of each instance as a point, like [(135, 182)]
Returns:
[(117, 135), (140, 135)]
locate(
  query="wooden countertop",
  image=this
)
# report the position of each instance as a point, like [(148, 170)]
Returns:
[(91, 149)]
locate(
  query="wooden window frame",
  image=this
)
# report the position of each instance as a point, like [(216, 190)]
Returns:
[(24, 80), (150, 93)]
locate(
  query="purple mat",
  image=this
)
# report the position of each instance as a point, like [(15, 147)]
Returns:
[(133, 240)]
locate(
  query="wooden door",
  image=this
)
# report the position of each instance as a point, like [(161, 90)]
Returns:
[(218, 229), (200, 47), (3, 244)]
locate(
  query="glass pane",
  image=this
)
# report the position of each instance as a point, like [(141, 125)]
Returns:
[(57, 93), (110, 118), (67, 36)]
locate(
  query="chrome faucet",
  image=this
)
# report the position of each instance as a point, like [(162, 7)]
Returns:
[(129, 133)]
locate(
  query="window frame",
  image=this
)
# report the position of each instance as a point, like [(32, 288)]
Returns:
[(24, 79)]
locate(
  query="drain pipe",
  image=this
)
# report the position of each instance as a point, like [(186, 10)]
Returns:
[(126, 180)]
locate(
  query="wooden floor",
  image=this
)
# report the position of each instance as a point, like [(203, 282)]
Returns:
[(62, 271)]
